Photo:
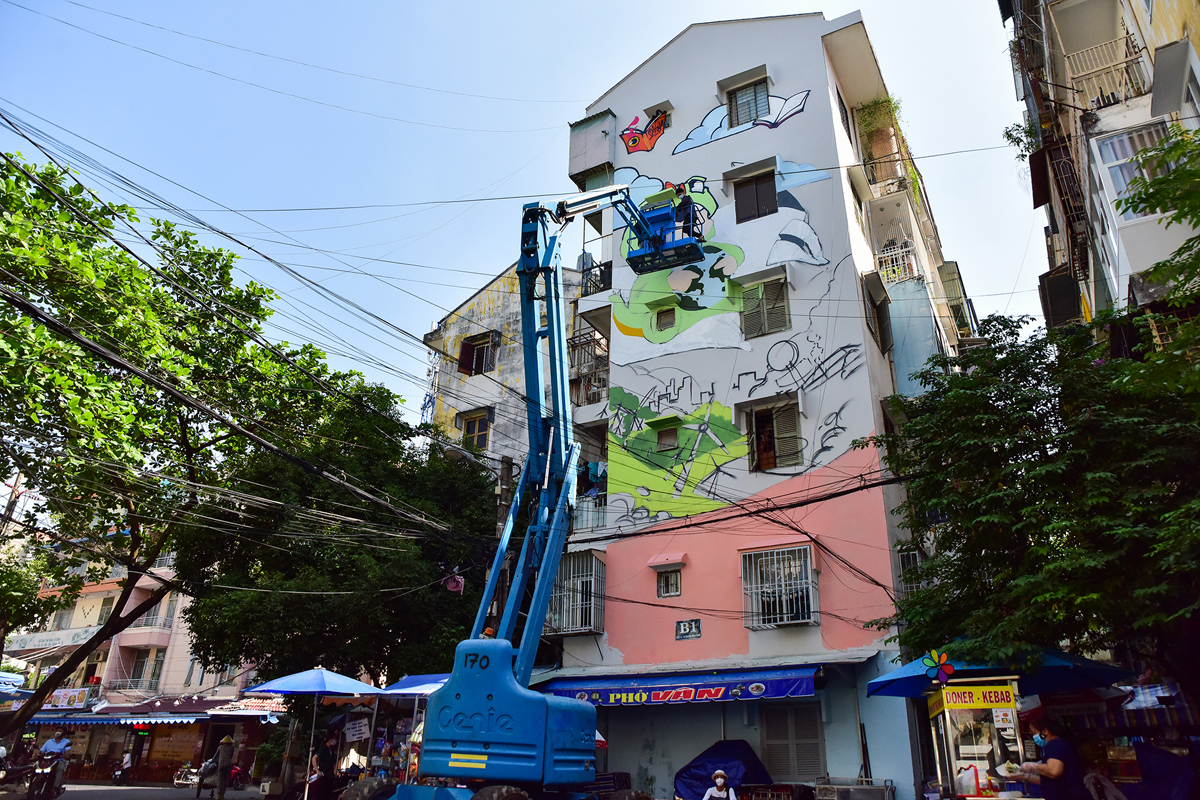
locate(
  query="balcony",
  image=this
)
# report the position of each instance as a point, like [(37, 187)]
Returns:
[(151, 622), (597, 278), (590, 512), (1108, 73), (165, 561), (588, 354), (135, 684), (898, 262), (577, 602)]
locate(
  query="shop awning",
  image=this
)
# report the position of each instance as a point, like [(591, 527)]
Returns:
[(694, 687), (171, 719), (60, 719)]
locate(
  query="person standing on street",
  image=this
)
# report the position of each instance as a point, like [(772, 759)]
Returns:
[(224, 764), (322, 763), (1059, 773), (721, 790), (61, 746)]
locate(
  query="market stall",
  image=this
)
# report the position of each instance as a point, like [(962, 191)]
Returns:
[(976, 738)]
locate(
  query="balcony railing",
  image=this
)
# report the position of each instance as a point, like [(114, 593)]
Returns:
[(136, 684), (591, 512), (165, 561), (151, 622), (597, 278), (588, 353), (898, 262), (1108, 73)]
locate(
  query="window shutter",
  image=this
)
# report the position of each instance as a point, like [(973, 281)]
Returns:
[(752, 438), (777, 742), (787, 436), (745, 200), (731, 102), (762, 101), (775, 307), (807, 733), (492, 351), (466, 358), (768, 197), (885, 327), (752, 311)]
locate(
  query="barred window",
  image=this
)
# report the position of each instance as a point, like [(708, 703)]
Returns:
[(477, 354), (779, 587), (670, 583), (577, 602), (748, 103), (909, 561)]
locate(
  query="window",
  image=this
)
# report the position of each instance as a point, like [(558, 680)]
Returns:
[(845, 117), (475, 430), (172, 601), (668, 439), (755, 197), (1117, 152), (106, 607), (765, 309), (1190, 110), (187, 680), (909, 561), (156, 669), (477, 354), (227, 676), (139, 665), (748, 103), (779, 587), (62, 619), (775, 434), (878, 313), (669, 583), (664, 319), (792, 741), (577, 602)]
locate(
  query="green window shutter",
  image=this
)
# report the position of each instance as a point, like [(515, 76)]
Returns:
[(787, 436), (753, 322), (775, 307)]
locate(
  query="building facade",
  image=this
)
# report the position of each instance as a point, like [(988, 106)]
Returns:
[(140, 691), (1100, 79), (731, 545)]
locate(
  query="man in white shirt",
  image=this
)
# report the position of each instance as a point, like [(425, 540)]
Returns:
[(61, 745)]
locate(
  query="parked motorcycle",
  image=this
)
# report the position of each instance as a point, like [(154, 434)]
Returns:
[(44, 778), (121, 775), (186, 776), (13, 777), (189, 777)]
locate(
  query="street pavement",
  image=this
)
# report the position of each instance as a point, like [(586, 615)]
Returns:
[(106, 791)]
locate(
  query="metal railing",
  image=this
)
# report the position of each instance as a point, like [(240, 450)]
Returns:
[(577, 603), (590, 512), (1108, 73), (597, 278), (151, 622), (165, 561), (779, 587), (588, 357), (136, 684), (899, 262)]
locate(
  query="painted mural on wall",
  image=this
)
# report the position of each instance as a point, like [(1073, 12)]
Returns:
[(644, 140), (703, 293), (646, 479), (714, 127)]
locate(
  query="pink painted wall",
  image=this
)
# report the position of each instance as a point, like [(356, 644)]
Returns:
[(854, 527)]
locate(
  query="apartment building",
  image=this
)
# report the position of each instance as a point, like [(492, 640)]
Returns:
[(1100, 79), (141, 690), (709, 591)]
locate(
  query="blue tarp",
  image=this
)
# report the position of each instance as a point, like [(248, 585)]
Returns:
[(691, 687), (735, 756), (1059, 672)]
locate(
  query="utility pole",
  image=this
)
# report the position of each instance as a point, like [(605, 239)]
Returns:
[(7, 520)]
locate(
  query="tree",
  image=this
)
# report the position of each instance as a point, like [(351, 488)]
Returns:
[(301, 588), (22, 604), (121, 464), (1053, 499)]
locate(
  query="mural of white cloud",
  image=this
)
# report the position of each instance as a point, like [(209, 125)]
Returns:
[(792, 175), (713, 127), (640, 186)]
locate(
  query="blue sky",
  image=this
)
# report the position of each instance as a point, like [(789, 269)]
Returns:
[(501, 81)]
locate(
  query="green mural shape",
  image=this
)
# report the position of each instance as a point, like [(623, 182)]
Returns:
[(696, 291), (706, 439)]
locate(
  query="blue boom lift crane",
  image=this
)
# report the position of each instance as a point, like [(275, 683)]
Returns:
[(485, 727)]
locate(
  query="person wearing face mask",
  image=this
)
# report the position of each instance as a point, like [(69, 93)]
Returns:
[(722, 789), (1059, 772)]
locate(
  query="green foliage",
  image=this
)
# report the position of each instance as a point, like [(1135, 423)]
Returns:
[(22, 570), (878, 114), (1055, 499), (1024, 136), (119, 465), (396, 617)]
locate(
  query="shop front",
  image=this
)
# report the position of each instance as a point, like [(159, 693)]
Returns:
[(975, 737)]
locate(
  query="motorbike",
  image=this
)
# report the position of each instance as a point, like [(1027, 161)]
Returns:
[(121, 775), (187, 776), (41, 787), (14, 777)]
